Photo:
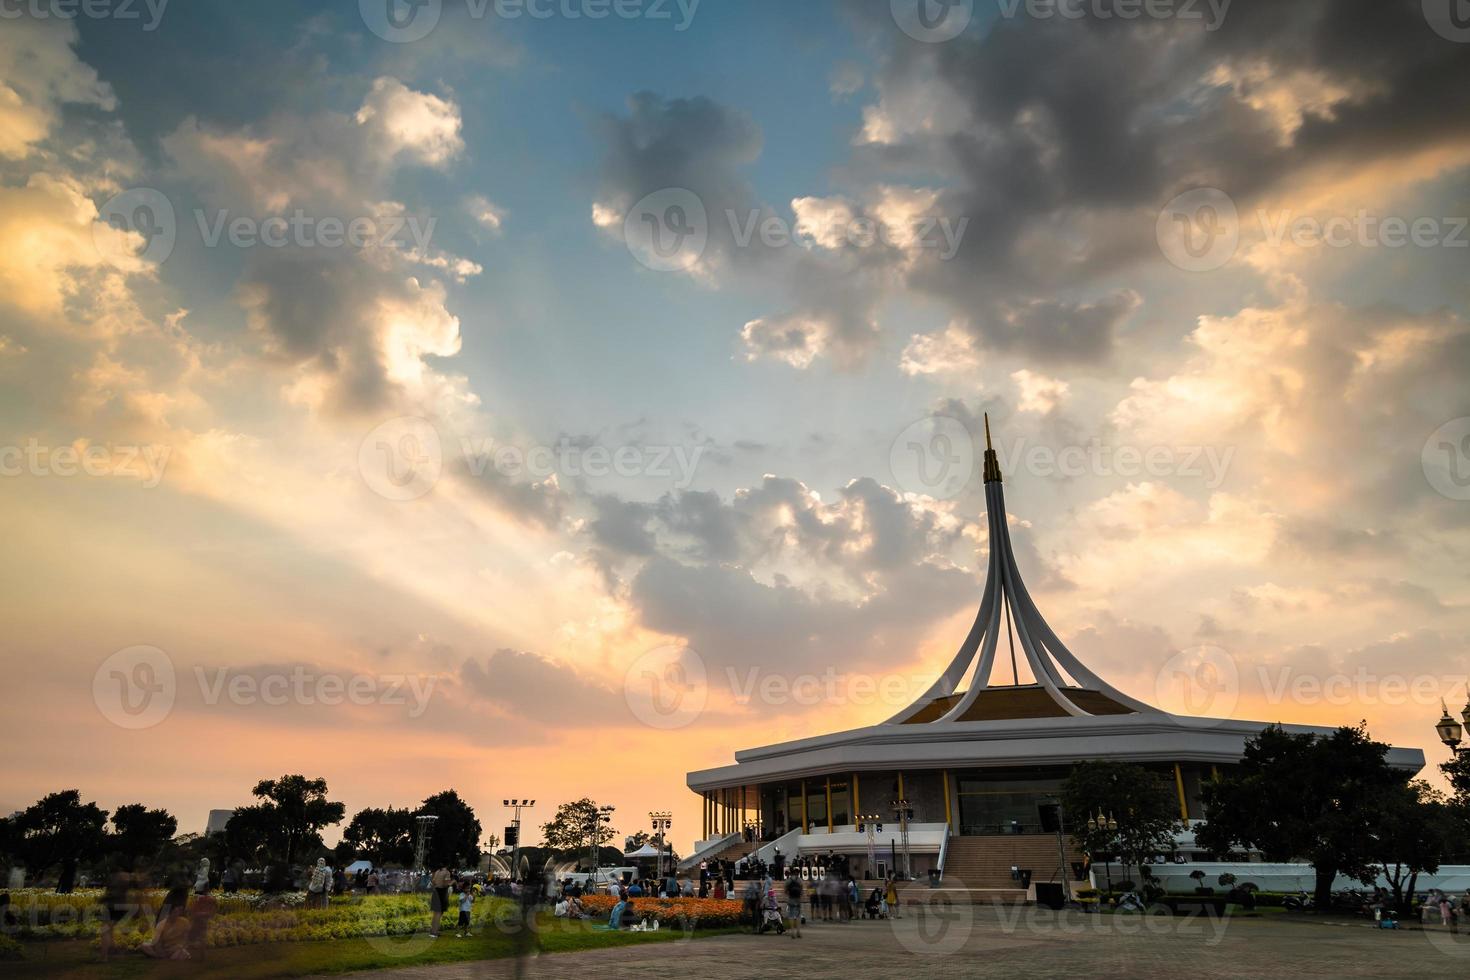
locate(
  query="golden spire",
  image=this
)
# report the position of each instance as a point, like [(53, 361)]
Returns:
[(992, 461)]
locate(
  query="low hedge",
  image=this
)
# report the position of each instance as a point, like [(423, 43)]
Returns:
[(685, 913)]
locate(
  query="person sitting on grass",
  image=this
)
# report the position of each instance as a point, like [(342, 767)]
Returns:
[(171, 931)]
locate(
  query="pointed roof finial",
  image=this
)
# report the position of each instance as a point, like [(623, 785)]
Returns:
[(992, 461)]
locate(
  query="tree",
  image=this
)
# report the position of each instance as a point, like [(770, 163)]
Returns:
[(248, 834), (1415, 829), (60, 829), (455, 842), (1144, 804), (9, 841), (139, 833), (567, 833), (1457, 771), (383, 837), (1306, 796), (300, 810)]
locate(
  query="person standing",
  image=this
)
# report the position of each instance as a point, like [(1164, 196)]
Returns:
[(890, 895), (438, 899), (466, 906), (752, 904), (117, 905), (793, 905), (317, 884)]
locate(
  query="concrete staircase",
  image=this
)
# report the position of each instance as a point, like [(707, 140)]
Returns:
[(733, 852), (984, 863)]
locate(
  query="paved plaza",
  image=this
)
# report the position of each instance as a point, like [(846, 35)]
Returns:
[(1019, 942)]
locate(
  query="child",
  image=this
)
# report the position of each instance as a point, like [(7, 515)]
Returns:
[(466, 903)]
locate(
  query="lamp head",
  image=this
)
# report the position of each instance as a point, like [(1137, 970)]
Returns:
[(1450, 731)]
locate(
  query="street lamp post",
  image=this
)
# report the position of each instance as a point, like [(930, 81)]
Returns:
[(595, 820), (873, 824), (905, 811), (662, 821), (515, 845), (1109, 825), (1451, 731)]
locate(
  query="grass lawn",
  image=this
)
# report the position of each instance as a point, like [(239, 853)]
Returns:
[(79, 959)]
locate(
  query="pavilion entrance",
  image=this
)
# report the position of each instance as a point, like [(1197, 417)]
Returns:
[(998, 804)]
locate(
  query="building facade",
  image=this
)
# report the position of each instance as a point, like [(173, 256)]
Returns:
[(974, 766)]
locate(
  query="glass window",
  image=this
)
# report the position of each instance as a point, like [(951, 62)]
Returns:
[(841, 804)]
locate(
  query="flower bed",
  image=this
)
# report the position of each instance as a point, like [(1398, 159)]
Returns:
[(690, 913), (242, 919)]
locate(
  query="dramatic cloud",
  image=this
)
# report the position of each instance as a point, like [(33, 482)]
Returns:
[(665, 149), (1060, 139), (532, 687), (355, 323), (39, 74)]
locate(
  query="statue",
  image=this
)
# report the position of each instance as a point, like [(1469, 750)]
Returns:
[(201, 880)]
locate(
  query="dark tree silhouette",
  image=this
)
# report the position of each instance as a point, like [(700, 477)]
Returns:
[(383, 837), (298, 810), (456, 839), (60, 830), (139, 834), (1310, 797), (1144, 803), (1415, 830)]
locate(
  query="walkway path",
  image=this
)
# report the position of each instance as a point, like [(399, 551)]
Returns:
[(1024, 942)]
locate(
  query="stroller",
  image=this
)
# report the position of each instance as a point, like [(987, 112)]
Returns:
[(770, 917)]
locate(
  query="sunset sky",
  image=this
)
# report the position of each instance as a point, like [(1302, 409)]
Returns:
[(499, 473)]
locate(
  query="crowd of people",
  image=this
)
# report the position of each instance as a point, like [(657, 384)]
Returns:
[(833, 897)]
